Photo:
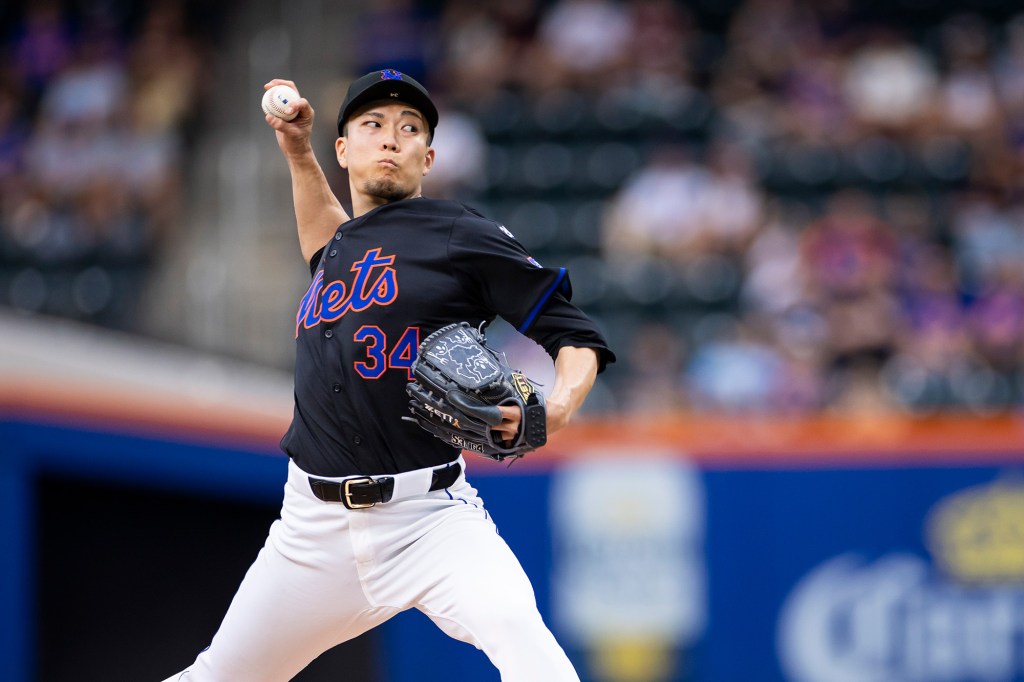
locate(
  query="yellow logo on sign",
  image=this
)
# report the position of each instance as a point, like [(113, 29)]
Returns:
[(977, 535)]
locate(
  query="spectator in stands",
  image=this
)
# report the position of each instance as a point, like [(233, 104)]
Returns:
[(655, 358), (812, 94), (775, 278), (676, 209), (90, 87), (851, 259), (474, 59), (394, 34), (968, 103), (663, 46), (165, 71), (488, 47), (988, 237), (739, 369), (889, 82), (460, 171), (585, 44), (657, 212)]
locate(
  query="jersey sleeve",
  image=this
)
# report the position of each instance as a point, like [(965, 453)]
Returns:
[(562, 324), (510, 282), (494, 267)]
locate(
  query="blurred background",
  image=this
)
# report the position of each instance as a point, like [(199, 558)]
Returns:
[(800, 224)]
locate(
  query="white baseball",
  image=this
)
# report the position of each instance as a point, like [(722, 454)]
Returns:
[(277, 98)]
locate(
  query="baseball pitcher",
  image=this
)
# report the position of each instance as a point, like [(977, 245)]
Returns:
[(393, 382)]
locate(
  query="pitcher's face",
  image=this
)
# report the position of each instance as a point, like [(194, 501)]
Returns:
[(385, 151)]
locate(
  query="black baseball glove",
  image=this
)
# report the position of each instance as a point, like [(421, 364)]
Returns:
[(459, 384)]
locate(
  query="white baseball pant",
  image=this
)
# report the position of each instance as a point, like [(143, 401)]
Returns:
[(327, 574)]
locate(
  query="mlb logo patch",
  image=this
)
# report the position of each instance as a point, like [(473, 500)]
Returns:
[(390, 75)]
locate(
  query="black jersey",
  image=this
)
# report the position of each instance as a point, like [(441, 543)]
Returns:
[(384, 282)]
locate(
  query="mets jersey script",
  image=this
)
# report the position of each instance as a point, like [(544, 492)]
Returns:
[(385, 281)]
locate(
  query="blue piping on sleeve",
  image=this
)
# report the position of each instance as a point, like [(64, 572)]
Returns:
[(543, 299)]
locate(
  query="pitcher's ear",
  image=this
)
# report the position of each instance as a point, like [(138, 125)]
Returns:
[(428, 161), (340, 150)]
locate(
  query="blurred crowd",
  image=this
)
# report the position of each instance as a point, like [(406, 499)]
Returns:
[(94, 125), (801, 206), (772, 206)]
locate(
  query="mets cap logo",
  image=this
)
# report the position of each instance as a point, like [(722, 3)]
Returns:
[(390, 75)]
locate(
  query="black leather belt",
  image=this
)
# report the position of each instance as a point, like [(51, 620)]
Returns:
[(362, 492)]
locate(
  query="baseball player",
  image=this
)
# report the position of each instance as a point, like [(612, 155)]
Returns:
[(377, 515)]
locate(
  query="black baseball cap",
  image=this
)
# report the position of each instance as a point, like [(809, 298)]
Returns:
[(387, 84)]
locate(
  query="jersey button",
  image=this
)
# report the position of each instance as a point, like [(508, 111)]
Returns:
[(329, 333), (337, 388), (337, 236), (357, 440)]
